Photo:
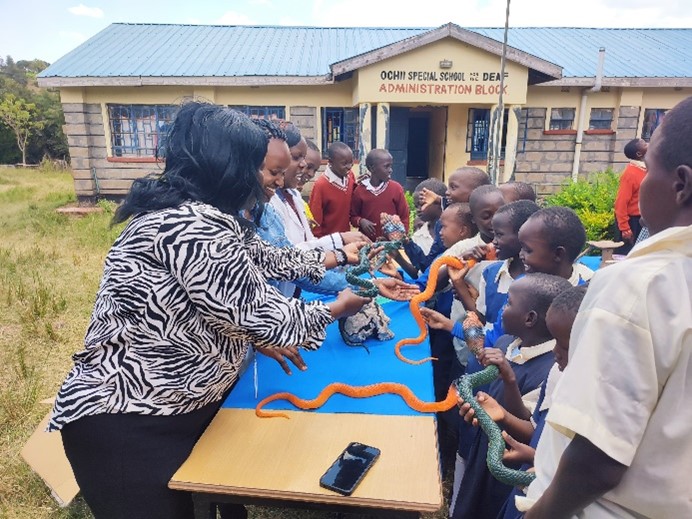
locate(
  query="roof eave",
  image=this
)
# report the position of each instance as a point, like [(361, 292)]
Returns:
[(106, 81), (644, 82), (448, 30)]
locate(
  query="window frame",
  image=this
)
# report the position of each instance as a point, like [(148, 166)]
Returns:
[(272, 113), (132, 136), (602, 123), (561, 120), (348, 126), (658, 113), (478, 128)]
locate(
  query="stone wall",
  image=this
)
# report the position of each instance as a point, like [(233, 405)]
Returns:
[(544, 159), (305, 118)]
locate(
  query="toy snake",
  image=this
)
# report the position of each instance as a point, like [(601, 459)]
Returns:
[(473, 332), (416, 300), (359, 392), (366, 287)]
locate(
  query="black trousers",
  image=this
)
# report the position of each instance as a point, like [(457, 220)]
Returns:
[(123, 462)]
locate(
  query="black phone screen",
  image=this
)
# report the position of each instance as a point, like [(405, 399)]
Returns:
[(349, 468)]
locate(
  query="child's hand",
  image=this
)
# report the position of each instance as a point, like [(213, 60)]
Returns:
[(518, 452), (367, 227), (478, 253), (389, 268), (428, 198), (436, 320), (495, 411), (456, 275), (494, 356)]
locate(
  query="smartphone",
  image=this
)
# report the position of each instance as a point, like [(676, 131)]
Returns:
[(349, 468)]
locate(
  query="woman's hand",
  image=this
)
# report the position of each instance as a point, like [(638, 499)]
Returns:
[(495, 356), (518, 452), (353, 236), (396, 289), (352, 251), (436, 320), (281, 354), (347, 303), (389, 268)]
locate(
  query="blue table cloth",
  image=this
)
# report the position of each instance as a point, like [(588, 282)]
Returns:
[(337, 362)]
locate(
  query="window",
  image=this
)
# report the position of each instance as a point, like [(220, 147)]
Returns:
[(262, 112), (340, 124), (561, 118), (478, 133), (652, 118), (139, 130), (601, 119)]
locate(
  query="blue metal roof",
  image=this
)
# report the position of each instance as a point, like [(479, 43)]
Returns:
[(153, 50)]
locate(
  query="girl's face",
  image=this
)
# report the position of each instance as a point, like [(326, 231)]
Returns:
[(506, 240), (536, 253), (452, 230), (276, 161), (483, 216), (313, 160), (297, 164), (559, 323)]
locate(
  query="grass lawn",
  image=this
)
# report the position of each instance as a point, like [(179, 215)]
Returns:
[(50, 266)]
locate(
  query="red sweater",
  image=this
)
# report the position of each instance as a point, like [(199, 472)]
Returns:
[(330, 205), (367, 205), (627, 200)]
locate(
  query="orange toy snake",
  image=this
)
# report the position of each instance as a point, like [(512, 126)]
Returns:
[(450, 261), (359, 392)]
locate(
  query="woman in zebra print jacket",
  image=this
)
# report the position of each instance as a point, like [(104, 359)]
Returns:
[(183, 295)]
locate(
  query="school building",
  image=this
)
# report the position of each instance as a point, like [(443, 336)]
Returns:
[(572, 97)]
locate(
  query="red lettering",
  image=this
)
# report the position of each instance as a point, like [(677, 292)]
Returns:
[(383, 87)]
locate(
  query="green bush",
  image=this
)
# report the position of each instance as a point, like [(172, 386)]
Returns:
[(592, 199), (411, 210)]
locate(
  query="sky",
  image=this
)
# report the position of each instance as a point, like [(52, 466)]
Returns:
[(48, 29)]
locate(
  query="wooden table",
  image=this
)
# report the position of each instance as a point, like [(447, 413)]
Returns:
[(278, 462)]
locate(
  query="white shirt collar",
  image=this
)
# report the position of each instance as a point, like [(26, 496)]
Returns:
[(520, 355), (334, 178), (367, 184)]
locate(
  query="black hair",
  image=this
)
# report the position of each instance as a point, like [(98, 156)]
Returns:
[(374, 155), (336, 147), (481, 192), (569, 300), (270, 129), (522, 190), (544, 288), (311, 144), (213, 155), (462, 211), (518, 212), (476, 177), (292, 132), (632, 148), (674, 143), (436, 186), (563, 229)]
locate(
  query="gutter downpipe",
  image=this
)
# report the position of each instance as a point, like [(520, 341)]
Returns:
[(582, 113)]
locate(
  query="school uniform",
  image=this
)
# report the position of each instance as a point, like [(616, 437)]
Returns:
[(420, 259), (330, 202), (423, 238), (628, 385), (481, 495), (370, 202)]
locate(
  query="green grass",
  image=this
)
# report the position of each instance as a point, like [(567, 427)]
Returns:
[(50, 266)]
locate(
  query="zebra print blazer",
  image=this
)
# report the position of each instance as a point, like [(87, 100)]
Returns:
[(182, 296)]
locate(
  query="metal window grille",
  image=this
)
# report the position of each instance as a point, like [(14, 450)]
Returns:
[(601, 119), (478, 132), (139, 130), (561, 118), (340, 124), (262, 112), (652, 118)]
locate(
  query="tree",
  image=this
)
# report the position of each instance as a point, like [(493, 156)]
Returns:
[(20, 116)]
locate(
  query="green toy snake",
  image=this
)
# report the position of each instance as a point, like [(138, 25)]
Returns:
[(473, 331), (366, 287)]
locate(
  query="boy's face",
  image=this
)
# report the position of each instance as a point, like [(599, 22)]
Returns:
[(451, 230), (657, 194), (559, 323), (506, 240), (276, 161), (312, 164), (484, 212), (536, 253), (642, 148), (382, 167), (508, 192), (297, 165), (517, 308), (342, 163), (459, 188)]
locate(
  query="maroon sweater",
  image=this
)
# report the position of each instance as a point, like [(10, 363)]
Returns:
[(369, 206), (330, 206)]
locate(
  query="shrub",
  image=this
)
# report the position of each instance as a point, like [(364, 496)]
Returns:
[(592, 199), (411, 210)]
